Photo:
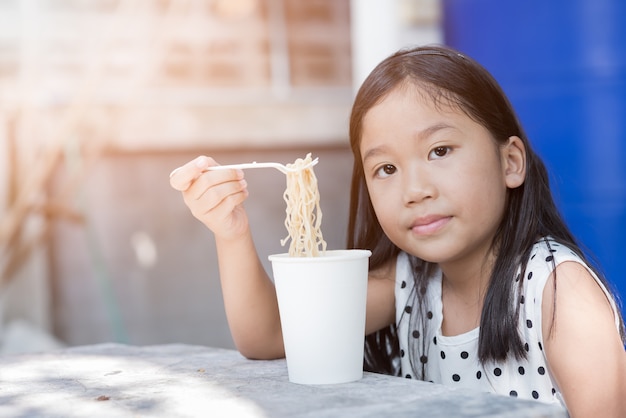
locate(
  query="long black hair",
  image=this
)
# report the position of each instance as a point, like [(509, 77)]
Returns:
[(530, 213)]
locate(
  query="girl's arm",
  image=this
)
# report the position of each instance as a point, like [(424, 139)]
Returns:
[(381, 297), (215, 198), (585, 353)]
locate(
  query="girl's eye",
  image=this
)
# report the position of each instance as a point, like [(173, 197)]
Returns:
[(386, 170), (439, 152)]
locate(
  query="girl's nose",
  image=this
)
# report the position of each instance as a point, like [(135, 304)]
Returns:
[(418, 186)]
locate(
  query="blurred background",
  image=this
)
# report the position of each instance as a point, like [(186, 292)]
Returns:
[(101, 99)]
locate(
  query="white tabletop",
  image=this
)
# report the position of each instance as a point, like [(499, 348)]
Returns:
[(112, 380)]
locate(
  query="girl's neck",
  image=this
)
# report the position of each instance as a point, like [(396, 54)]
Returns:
[(466, 277), (465, 282), (463, 289)]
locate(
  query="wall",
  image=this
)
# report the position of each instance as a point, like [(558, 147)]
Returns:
[(141, 269), (567, 79), (106, 97)]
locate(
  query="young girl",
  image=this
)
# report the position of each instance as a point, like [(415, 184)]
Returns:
[(475, 280)]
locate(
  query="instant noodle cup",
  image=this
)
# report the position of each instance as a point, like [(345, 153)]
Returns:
[(322, 301)]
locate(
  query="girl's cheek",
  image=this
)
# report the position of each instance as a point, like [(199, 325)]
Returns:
[(378, 203), (381, 191)]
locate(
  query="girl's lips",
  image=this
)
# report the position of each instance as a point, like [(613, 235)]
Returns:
[(429, 225)]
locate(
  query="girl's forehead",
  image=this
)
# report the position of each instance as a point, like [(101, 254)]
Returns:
[(408, 110), (426, 94), (418, 95)]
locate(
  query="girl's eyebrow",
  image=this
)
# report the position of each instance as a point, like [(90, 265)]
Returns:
[(372, 152), (425, 133), (421, 135)]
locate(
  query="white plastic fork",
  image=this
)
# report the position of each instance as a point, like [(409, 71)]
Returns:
[(278, 166)]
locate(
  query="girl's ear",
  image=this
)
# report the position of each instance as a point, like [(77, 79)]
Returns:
[(514, 162)]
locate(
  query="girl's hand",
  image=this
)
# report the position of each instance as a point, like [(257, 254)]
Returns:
[(214, 197)]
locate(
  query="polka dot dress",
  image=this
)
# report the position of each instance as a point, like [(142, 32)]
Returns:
[(453, 360)]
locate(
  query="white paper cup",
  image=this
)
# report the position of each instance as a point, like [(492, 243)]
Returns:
[(322, 312)]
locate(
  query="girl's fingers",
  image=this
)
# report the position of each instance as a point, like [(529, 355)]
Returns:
[(215, 206), (182, 177), (208, 192), (225, 207)]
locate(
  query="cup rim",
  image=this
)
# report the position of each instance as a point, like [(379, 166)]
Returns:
[(329, 255)]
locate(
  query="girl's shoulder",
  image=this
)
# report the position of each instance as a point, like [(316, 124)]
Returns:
[(548, 250), (546, 257)]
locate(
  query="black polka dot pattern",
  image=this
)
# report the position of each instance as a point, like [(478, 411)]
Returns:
[(454, 359)]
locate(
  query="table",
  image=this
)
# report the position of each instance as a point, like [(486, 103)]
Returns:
[(178, 380)]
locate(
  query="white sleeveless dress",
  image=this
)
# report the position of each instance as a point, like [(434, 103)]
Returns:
[(453, 360)]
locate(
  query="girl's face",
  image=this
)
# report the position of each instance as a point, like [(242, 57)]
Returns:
[(436, 178)]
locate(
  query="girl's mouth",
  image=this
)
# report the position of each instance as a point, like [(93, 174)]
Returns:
[(429, 225)]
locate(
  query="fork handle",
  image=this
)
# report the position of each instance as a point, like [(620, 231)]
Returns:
[(244, 166)]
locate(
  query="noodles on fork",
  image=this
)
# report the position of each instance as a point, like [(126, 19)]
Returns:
[(304, 216)]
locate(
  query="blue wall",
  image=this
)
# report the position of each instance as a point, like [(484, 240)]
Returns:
[(563, 65)]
